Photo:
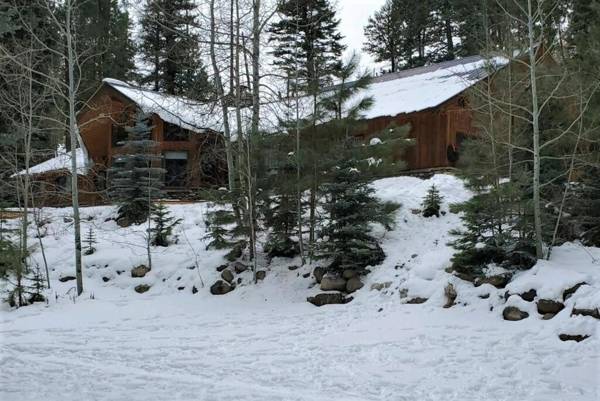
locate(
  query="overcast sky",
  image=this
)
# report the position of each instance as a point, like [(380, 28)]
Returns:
[(354, 15)]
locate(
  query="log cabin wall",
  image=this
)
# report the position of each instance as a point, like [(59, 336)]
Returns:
[(108, 109), (433, 131)]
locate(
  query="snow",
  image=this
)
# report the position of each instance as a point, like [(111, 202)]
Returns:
[(265, 342), (62, 161), (186, 113)]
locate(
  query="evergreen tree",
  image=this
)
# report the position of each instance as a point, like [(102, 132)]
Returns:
[(135, 177), (35, 289), (306, 43), (169, 44), (351, 207), (90, 240), (163, 225), (102, 28), (432, 202)]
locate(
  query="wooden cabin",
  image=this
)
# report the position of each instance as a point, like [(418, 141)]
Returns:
[(192, 152)]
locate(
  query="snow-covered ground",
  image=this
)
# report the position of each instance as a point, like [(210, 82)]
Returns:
[(265, 342)]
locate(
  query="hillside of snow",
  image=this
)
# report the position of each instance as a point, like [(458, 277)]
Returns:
[(265, 342)]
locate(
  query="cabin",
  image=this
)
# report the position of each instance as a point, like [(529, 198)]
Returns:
[(191, 150), (432, 99)]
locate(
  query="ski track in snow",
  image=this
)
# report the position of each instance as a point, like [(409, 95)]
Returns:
[(172, 348), (265, 342)]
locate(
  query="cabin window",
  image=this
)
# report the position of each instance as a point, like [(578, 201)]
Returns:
[(119, 135), (63, 183), (174, 132), (175, 165)]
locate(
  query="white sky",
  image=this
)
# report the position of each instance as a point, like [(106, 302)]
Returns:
[(354, 15)]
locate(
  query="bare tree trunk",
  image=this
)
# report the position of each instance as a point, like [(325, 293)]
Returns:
[(537, 213), (73, 135), (256, 30)]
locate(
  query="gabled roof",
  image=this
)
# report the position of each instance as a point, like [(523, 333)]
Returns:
[(186, 113), (62, 161)]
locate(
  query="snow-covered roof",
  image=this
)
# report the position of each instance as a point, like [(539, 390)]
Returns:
[(186, 113), (62, 161)]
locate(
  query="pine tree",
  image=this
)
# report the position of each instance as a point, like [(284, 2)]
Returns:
[(135, 177), (163, 225), (351, 207), (169, 44), (103, 28), (35, 289), (90, 240), (306, 42), (432, 202)]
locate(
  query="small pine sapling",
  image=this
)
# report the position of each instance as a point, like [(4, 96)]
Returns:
[(90, 240), (432, 202), (36, 289), (163, 225)]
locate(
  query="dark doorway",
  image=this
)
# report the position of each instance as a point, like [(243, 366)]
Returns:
[(175, 169)]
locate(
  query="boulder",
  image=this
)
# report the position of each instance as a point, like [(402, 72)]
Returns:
[(220, 287), (239, 267), (140, 271), (141, 288), (354, 284), (549, 306), (306, 275), (333, 283), (318, 272), (570, 291), (293, 267), (548, 316), (380, 286), (64, 279), (261, 274), (416, 300), (227, 275), (349, 273), (451, 295), (595, 313), (221, 268), (572, 337), (105, 279), (513, 313), (235, 252), (328, 299), (529, 296), (194, 290), (498, 280)]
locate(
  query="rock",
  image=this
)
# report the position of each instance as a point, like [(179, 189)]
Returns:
[(105, 279), (549, 306), (513, 313), (236, 252), (227, 275), (354, 284), (141, 288), (36, 298), (306, 275), (64, 279), (348, 274), (239, 280), (570, 291), (139, 271), (414, 255), (529, 296), (328, 299), (572, 337), (484, 296), (595, 313), (222, 267), (548, 316), (191, 267), (332, 283), (294, 267), (498, 281), (380, 286), (451, 295), (261, 274), (194, 290), (239, 267), (180, 288), (220, 287), (67, 219), (123, 222), (318, 272), (416, 300)]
